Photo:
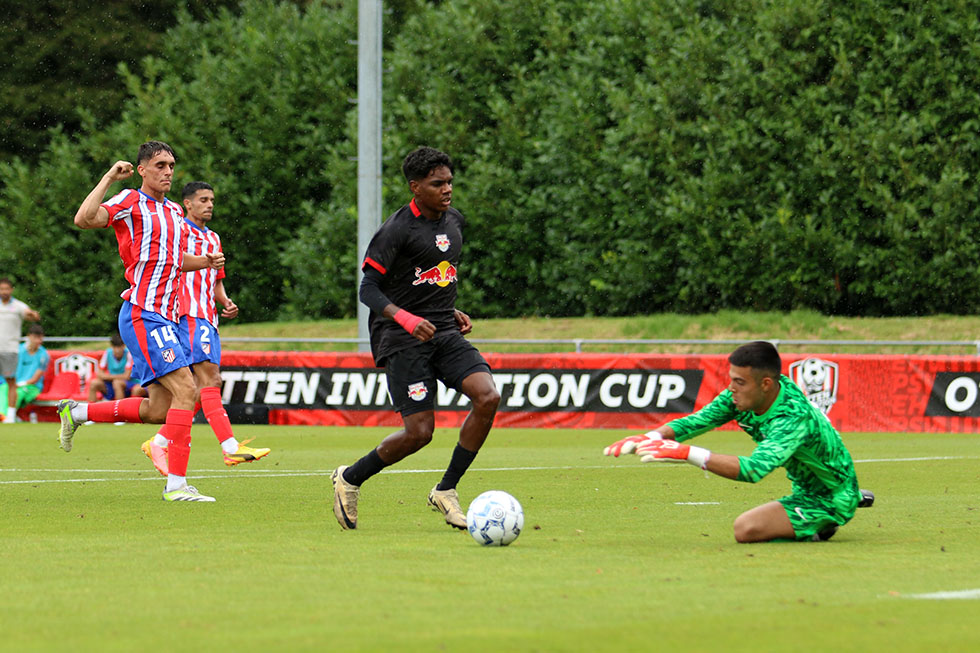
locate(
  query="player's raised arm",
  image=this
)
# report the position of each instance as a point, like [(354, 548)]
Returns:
[(216, 261), (91, 214), (191, 262)]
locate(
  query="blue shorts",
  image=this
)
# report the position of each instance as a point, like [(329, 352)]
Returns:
[(200, 340), (109, 393), (153, 341)]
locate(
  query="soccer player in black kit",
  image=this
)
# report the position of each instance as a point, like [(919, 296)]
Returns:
[(410, 272)]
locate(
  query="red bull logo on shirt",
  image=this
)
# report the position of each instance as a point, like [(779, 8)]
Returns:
[(442, 242), (441, 275), (418, 391)]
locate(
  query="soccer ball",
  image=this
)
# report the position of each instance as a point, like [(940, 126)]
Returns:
[(495, 518), (814, 373)]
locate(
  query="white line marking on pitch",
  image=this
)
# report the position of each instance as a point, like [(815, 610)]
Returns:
[(258, 473), (160, 478), (912, 460), (62, 471), (944, 596)]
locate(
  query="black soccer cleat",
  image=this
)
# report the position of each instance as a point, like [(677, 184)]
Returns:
[(867, 499), (824, 535)]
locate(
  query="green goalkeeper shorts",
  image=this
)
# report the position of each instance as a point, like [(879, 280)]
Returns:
[(810, 514)]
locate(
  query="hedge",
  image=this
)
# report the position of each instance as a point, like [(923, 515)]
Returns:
[(615, 157)]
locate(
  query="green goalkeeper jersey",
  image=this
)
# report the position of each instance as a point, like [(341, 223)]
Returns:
[(791, 434)]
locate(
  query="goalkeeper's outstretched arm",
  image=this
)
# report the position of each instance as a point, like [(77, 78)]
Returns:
[(724, 465), (716, 463)]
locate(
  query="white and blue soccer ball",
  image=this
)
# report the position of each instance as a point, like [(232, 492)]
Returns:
[(495, 518)]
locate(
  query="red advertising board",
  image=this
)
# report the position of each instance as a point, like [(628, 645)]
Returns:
[(629, 391)]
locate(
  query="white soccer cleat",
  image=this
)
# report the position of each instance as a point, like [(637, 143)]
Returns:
[(68, 423), (185, 493)]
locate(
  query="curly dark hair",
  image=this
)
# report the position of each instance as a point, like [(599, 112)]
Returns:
[(420, 162)]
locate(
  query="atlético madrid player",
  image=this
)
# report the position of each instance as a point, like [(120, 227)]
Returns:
[(152, 239), (199, 331), (417, 335)]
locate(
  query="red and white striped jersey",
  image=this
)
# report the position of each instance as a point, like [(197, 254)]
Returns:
[(152, 238), (197, 299)]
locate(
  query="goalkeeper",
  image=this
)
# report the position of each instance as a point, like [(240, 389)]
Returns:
[(789, 431)]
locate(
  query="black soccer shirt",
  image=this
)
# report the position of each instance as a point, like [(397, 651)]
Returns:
[(418, 259)]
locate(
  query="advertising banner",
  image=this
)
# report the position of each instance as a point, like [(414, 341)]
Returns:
[(567, 390)]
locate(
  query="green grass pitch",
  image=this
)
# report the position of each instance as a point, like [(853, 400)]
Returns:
[(615, 555)]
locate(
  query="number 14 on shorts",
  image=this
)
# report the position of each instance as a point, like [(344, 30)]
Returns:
[(162, 336)]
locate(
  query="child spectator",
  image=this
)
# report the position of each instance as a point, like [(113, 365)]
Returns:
[(114, 377), (32, 362)]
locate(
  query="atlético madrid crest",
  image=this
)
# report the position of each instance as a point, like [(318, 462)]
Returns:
[(818, 379)]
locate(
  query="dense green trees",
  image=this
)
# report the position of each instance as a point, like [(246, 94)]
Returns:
[(613, 157), (60, 58), (253, 101)]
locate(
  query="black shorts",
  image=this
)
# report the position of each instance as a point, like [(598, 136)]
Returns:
[(412, 372)]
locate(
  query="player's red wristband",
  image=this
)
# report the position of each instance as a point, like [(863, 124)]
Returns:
[(407, 320)]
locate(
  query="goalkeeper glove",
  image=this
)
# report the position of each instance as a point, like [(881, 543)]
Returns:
[(628, 445), (673, 450)]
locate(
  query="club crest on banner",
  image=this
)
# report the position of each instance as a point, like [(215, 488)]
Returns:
[(818, 379), (418, 391), (82, 365)]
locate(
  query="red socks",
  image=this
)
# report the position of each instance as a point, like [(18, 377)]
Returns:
[(124, 410), (179, 433), (215, 413)]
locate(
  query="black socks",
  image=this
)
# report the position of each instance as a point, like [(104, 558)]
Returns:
[(460, 462), (365, 468)]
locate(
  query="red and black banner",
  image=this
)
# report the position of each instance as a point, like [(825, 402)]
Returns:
[(638, 391), (536, 390)]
